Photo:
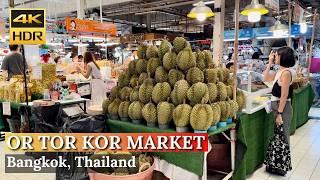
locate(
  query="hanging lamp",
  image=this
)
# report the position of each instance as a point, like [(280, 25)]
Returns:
[(254, 11), (279, 29), (201, 12)]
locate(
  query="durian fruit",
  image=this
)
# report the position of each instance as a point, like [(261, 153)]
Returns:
[(161, 92), (213, 92), (241, 99), (123, 109), (145, 91), (208, 57), (169, 60), (234, 107), (175, 75), (141, 66), (211, 75), (224, 110), (142, 77), (149, 113), (201, 60), (164, 112), (113, 108), (229, 91), (132, 67), (124, 79), (179, 43), (135, 110), (152, 65), (220, 74), (164, 48), (181, 115), (134, 95), (226, 74), (161, 75), (222, 91), (216, 113), (198, 93), (142, 50), (186, 59), (194, 75), (125, 93), (179, 93), (105, 105), (134, 81), (230, 82), (152, 52), (120, 171), (115, 92), (201, 117)]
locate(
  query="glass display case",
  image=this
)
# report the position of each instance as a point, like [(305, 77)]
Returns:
[(256, 91)]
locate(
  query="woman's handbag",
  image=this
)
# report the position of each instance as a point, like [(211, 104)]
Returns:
[(278, 158)]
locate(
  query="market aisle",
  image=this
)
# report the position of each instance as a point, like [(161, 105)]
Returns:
[(305, 145)]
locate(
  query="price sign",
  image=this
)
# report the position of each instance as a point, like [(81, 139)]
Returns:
[(37, 72), (6, 108)]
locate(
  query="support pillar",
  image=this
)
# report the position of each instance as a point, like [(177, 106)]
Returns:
[(148, 22), (218, 32), (80, 9)]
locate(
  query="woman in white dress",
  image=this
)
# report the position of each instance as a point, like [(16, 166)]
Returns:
[(93, 70)]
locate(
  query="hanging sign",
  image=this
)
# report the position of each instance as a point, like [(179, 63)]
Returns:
[(243, 33), (27, 26), (88, 26), (37, 72)]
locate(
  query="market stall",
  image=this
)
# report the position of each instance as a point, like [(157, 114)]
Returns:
[(255, 131)]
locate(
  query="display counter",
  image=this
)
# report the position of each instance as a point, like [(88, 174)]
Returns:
[(254, 132)]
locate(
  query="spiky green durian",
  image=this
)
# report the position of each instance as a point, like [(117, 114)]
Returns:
[(135, 110), (222, 91), (142, 50), (211, 75), (149, 112), (113, 108), (208, 57), (164, 112), (186, 59), (179, 93), (134, 96), (201, 117), (175, 75), (169, 60), (123, 109), (181, 115), (216, 113), (125, 93), (124, 79), (132, 67), (161, 92), (115, 92), (105, 105), (152, 52), (213, 92), (198, 93), (179, 43), (165, 46), (134, 81), (145, 91), (141, 66), (241, 99), (152, 65), (161, 75), (142, 77), (195, 75)]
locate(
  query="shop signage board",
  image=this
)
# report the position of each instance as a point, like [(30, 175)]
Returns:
[(27, 26), (87, 26), (243, 33)]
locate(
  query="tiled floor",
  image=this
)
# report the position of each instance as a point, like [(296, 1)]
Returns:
[(305, 149), (305, 153)]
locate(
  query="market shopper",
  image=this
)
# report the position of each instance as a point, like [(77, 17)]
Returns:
[(13, 63), (93, 70), (58, 60), (282, 92)]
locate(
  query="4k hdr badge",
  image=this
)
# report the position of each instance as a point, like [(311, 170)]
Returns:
[(27, 26)]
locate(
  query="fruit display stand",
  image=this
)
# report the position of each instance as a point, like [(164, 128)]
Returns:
[(191, 164), (255, 131)]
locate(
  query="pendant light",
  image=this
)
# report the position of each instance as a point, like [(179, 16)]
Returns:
[(303, 27), (201, 12), (279, 29), (254, 11)]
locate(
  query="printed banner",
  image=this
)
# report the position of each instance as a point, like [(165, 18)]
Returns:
[(79, 25)]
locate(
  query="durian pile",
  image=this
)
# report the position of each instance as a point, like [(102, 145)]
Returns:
[(173, 84)]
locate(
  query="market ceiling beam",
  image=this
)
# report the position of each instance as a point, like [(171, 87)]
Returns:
[(138, 10)]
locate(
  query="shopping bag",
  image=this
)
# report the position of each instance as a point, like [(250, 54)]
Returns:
[(278, 158)]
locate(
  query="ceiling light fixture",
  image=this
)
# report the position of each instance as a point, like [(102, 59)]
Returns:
[(303, 27), (279, 29), (201, 12), (254, 11)]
